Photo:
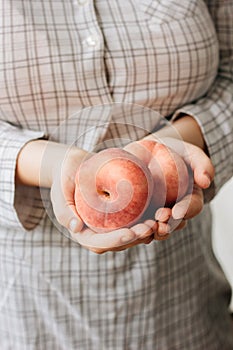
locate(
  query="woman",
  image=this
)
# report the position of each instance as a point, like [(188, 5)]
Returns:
[(58, 61)]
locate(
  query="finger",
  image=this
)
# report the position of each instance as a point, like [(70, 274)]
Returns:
[(190, 206), (152, 224), (146, 240), (116, 240), (145, 233), (196, 158), (176, 225), (203, 169), (163, 214), (163, 231), (65, 211), (141, 230), (106, 241), (200, 163)]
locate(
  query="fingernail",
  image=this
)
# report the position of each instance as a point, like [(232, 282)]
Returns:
[(207, 180), (178, 212), (73, 225), (158, 216), (162, 215)]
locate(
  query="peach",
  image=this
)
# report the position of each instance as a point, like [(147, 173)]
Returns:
[(113, 189), (168, 169)]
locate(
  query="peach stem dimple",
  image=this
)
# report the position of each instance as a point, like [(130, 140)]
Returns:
[(104, 193)]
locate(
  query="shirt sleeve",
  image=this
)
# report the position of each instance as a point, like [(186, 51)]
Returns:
[(214, 112), (21, 207)]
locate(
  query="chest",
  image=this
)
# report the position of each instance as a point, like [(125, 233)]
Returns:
[(56, 57)]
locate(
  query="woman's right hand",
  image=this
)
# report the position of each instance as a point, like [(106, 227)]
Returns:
[(62, 191), (53, 165), (62, 196)]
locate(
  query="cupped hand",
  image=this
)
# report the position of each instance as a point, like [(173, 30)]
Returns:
[(117, 240), (192, 203), (175, 218), (62, 191), (62, 197)]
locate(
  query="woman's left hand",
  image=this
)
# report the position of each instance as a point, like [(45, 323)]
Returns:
[(117, 240), (175, 218)]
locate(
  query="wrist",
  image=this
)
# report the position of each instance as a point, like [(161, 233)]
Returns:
[(29, 162), (39, 160), (189, 130), (184, 128)]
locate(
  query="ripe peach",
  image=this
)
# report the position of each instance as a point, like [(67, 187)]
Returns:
[(168, 169), (113, 189)]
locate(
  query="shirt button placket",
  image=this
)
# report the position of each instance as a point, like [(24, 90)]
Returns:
[(84, 12), (92, 40), (80, 2), (91, 74)]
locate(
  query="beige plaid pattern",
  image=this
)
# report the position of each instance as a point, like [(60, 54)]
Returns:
[(63, 64)]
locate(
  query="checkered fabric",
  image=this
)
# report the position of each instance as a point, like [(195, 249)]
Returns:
[(63, 65)]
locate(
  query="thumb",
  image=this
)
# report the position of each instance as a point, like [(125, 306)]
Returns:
[(202, 167), (65, 211), (196, 158)]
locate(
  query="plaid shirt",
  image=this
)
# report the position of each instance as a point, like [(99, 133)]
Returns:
[(78, 71)]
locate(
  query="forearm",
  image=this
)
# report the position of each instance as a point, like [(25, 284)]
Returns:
[(38, 160)]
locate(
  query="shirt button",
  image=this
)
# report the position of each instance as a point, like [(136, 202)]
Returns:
[(92, 40), (80, 2)]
